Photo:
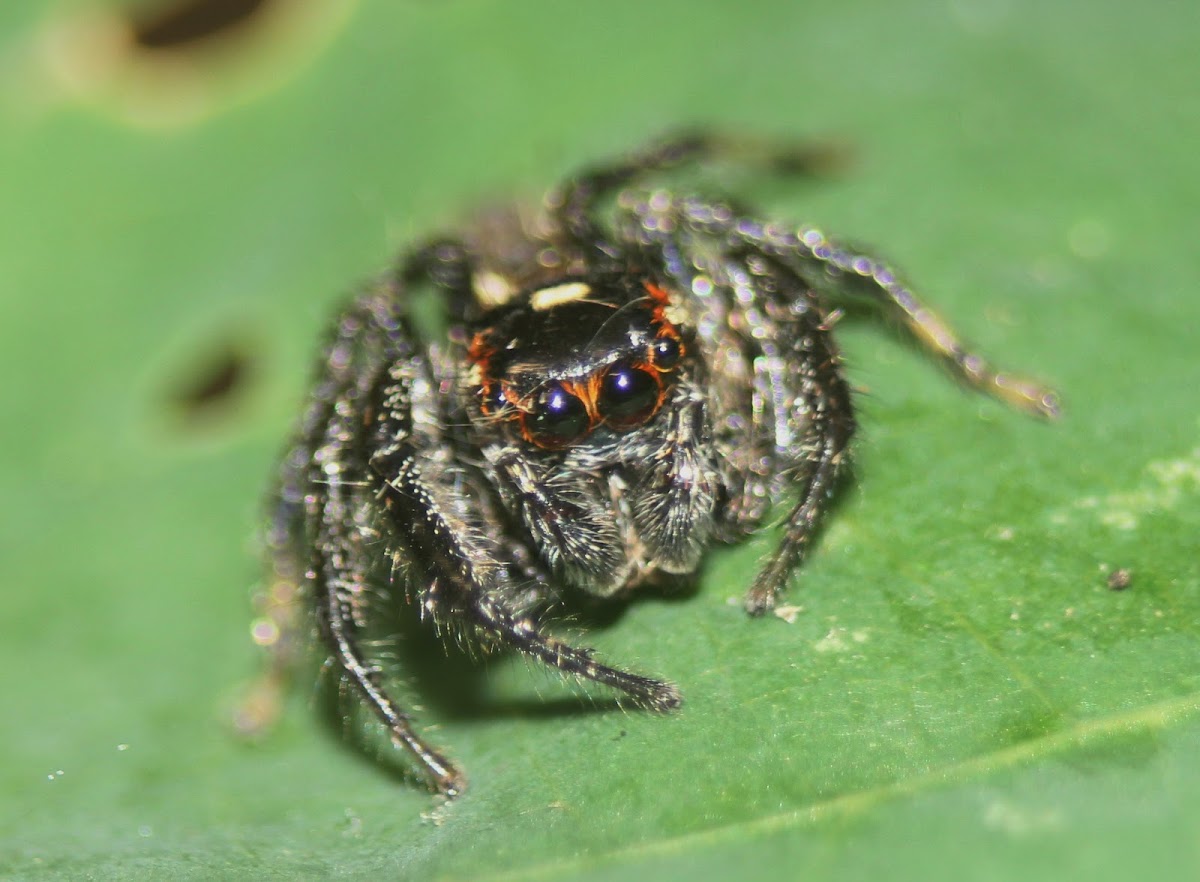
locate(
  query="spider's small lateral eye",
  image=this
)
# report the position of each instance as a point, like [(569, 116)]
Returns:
[(628, 395), (493, 399), (666, 353), (557, 419)]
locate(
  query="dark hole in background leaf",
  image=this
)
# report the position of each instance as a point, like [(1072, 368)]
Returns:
[(183, 23), (160, 64), (214, 383)]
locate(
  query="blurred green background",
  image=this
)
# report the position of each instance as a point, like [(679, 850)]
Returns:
[(960, 696)]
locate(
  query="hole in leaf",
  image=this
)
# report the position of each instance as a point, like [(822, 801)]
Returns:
[(180, 23), (175, 62), (217, 382), (212, 385)]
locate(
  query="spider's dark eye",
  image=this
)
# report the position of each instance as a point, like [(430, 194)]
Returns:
[(666, 352), (628, 396), (558, 418), (493, 398)]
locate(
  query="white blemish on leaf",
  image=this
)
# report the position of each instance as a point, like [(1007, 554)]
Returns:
[(841, 639), (1018, 821), (1165, 484), (788, 613)]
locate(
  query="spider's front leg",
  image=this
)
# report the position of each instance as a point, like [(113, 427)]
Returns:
[(366, 329), (462, 565), (815, 269), (817, 402), (343, 523), (842, 273), (768, 329)]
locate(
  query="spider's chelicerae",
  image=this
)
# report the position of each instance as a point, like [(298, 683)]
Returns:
[(612, 389)]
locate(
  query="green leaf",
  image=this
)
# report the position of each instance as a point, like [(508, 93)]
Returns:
[(960, 694)]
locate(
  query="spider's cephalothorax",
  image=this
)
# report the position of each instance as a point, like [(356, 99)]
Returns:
[(586, 405), (607, 399)]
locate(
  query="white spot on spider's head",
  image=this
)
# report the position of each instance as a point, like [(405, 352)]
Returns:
[(492, 289), (548, 298)]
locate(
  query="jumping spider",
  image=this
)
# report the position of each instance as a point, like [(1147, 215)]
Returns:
[(617, 386)]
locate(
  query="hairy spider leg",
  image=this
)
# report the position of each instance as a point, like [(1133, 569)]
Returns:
[(457, 582), (457, 585), (819, 400), (575, 201), (821, 270), (786, 325), (461, 578), (836, 270), (832, 271), (344, 548), (279, 603)]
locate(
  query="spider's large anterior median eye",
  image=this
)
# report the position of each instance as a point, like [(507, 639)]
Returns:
[(557, 419), (628, 396)]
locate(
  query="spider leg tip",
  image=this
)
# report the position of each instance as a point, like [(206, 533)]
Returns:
[(669, 698), (758, 603), (451, 784)]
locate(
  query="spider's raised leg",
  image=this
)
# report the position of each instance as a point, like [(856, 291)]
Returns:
[(574, 203), (836, 270)]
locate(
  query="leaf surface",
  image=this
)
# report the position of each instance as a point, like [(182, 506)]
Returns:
[(960, 694)]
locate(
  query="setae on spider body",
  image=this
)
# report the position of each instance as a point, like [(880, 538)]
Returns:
[(611, 395)]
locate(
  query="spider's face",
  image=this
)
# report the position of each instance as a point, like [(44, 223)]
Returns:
[(579, 357), (585, 402)]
